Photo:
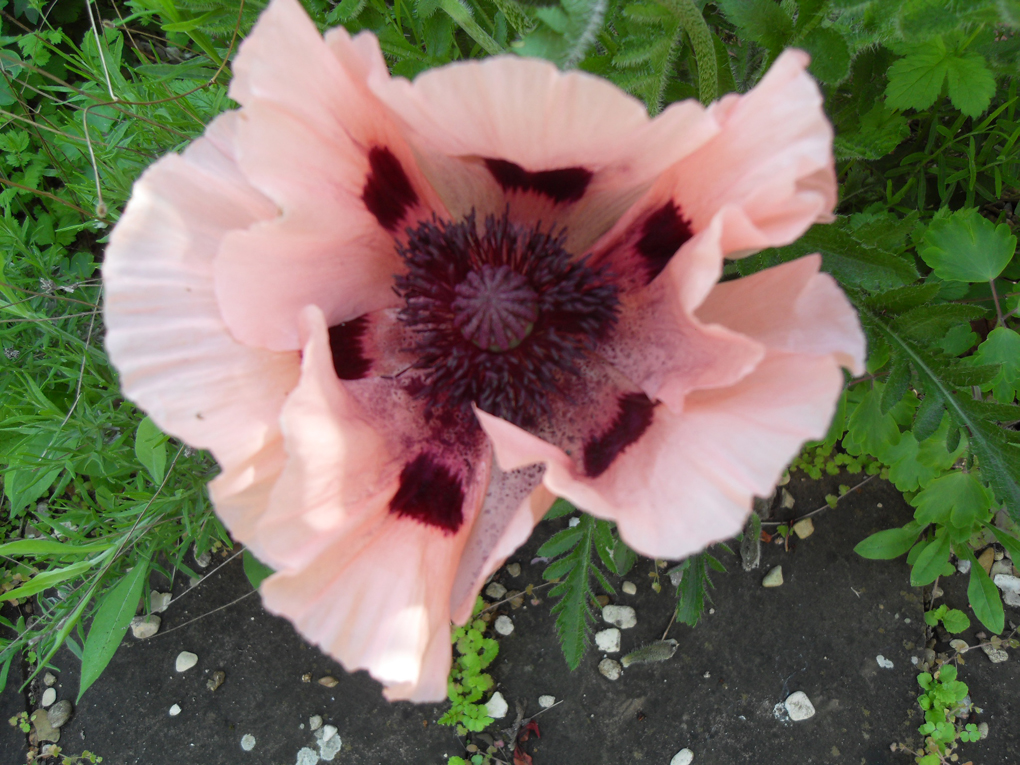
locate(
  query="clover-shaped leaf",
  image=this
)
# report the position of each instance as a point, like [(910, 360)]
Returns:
[(966, 247)]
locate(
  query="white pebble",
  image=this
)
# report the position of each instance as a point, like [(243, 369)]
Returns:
[(773, 578), (1010, 586), (315, 722), (328, 748), (496, 707), (799, 706), (608, 641), (619, 616), (610, 669), (495, 591), (573, 522), (159, 601), (883, 662), (49, 696), (175, 710), (963, 566), (546, 701), (307, 757), (328, 731), (504, 625), (683, 757), (145, 626), (629, 588), (185, 661), (247, 742), (514, 569)]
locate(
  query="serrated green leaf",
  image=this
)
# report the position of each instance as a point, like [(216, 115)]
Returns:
[(929, 415), (561, 541), (830, 56), (763, 21), (956, 497), (1001, 347), (692, 590), (971, 84), (888, 544), (895, 384), (915, 80), (868, 429), (913, 465), (903, 298), (967, 247), (110, 624), (955, 621), (959, 340), (559, 508), (930, 323)]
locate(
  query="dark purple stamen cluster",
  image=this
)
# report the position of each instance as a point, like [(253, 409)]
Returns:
[(502, 316)]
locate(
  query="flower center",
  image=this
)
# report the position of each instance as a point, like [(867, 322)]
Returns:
[(495, 308), (502, 316)]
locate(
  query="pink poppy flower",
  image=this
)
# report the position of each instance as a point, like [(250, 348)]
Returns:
[(403, 316)]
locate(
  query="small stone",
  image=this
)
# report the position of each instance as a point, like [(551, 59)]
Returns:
[(306, 677), (995, 655), (573, 522), (963, 566), (546, 701), (185, 661), (773, 578), (675, 578), (495, 591), (983, 730), (314, 722), (145, 626), (629, 588), (683, 757), (60, 713), (216, 680), (504, 625), (799, 706), (247, 742), (787, 501), (513, 569), (986, 559), (159, 601), (883, 662), (49, 696), (610, 669), (619, 616), (307, 756), (49, 679), (1010, 586), (803, 529), (330, 745), (203, 560), (603, 600), (1001, 567), (43, 730), (999, 555), (329, 681), (608, 641), (958, 645), (328, 731), (496, 707), (175, 710)]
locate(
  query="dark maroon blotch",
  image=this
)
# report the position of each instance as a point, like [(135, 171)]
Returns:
[(665, 230), (346, 342), (429, 493), (388, 192), (566, 184), (632, 420)]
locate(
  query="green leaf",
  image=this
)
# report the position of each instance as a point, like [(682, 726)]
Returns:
[(957, 498), (930, 562), (914, 465), (971, 84), (895, 385), (150, 448), (693, 589), (559, 508), (254, 569), (763, 21), (111, 622), (956, 621), (930, 323), (561, 541), (888, 544), (967, 247), (50, 548), (44, 581), (983, 595), (1002, 346), (830, 56), (915, 80)]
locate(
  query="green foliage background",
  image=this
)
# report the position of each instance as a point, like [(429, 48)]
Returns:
[(923, 96)]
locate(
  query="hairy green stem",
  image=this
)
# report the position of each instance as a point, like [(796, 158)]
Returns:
[(704, 50), (461, 14)]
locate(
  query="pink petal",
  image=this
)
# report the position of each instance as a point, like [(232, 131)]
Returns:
[(791, 307), (662, 346), (690, 479), (528, 113), (772, 162), (514, 503), (165, 335)]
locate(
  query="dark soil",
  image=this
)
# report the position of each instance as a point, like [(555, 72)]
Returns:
[(820, 632)]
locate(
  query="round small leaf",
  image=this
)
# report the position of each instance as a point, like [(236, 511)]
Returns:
[(966, 247)]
